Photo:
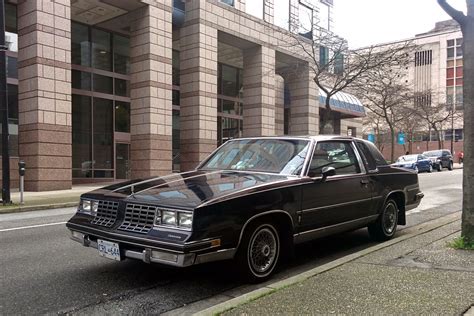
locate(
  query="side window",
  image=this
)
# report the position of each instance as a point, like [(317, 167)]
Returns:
[(377, 156), (367, 156), (338, 155)]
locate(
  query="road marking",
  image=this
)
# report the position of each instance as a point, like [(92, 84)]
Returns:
[(32, 226)]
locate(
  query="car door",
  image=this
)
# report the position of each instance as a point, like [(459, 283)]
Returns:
[(340, 199)]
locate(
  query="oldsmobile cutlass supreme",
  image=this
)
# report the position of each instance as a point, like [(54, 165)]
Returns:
[(251, 201)]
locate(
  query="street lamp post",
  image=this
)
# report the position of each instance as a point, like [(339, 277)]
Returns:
[(6, 199)]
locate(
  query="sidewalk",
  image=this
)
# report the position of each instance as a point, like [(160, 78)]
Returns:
[(47, 199), (415, 273)]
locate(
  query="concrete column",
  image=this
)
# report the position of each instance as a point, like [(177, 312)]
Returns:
[(151, 90), (304, 108), (259, 91), (279, 105), (44, 93), (198, 78)]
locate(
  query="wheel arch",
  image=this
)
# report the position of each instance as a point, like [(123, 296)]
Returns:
[(282, 219), (400, 198)]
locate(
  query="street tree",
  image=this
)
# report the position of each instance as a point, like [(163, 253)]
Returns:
[(435, 114), (385, 92), (375, 124), (466, 21), (335, 67)]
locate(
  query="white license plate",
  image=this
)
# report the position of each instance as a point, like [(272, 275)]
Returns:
[(108, 249)]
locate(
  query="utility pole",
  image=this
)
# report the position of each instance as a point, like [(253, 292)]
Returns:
[(6, 199)]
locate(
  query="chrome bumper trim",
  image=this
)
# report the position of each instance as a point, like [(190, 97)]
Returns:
[(181, 259)]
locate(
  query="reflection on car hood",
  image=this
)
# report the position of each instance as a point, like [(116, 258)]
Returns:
[(190, 189)]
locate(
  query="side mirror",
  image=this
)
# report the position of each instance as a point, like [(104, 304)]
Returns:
[(327, 172)]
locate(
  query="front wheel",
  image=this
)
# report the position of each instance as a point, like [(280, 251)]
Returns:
[(439, 167), (430, 170), (386, 224), (258, 253)]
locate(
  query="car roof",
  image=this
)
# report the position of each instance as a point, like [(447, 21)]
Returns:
[(308, 137)]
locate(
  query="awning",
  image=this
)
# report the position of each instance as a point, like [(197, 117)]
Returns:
[(344, 103)]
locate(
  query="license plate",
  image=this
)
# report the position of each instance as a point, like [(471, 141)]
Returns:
[(108, 249)]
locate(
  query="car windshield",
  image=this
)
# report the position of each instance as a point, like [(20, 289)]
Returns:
[(407, 158), (281, 156), (434, 153)]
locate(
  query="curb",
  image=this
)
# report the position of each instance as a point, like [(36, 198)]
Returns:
[(37, 207), (268, 289)]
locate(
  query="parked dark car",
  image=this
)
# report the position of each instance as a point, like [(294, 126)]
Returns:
[(419, 163), (251, 201), (440, 159)]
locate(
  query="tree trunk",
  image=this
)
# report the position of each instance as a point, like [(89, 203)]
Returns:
[(327, 127), (467, 28), (392, 145), (468, 96)]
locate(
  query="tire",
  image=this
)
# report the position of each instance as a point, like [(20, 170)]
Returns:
[(430, 170), (439, 167), (416, 169), (450, 166), (385, 226), (258, 252)]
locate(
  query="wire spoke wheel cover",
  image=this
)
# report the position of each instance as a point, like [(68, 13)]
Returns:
[(390, 218), (263, 250)]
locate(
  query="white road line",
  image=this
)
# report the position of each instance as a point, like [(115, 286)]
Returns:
[(32, 226)]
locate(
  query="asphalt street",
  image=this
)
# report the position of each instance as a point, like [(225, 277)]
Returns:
[(44, 272)]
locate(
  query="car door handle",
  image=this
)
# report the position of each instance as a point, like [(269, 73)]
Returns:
[(364, 182)]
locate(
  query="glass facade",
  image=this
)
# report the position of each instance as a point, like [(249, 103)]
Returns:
[(11, 39), (305, 26), (100, 103), (230, 106), (282, 14), (255, 8)]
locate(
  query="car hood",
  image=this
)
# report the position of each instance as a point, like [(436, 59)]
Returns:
[(192, 189)]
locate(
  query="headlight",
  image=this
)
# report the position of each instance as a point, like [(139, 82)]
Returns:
[(185, 220), (88, 207), (168, 218), (176, 219)]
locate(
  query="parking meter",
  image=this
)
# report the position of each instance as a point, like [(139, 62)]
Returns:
[(21, 168), (21, 171)]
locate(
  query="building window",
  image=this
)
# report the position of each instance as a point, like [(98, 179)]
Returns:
[(228, 2), (306, 21), (282, 14), (100, 103), (323, 56), (338, 64), (230, 107), (324, 18), (176, 141), (80, 41), (423, 58), (101, 50), (255, 8), (11, 29), (454, 48)]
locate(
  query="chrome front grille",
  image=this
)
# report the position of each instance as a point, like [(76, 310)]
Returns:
[(106, 213), (138, 218)]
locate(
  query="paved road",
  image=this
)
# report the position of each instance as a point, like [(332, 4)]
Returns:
[(43, 271)]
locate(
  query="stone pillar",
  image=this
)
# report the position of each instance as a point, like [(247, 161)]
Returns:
[(198, 78), (304, 108), (151, 90), (44, 93), (259, 91), (279, 105)]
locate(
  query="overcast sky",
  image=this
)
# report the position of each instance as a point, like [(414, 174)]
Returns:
[(368, 22)]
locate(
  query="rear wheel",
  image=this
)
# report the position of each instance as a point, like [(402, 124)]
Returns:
[(450, 166), (386, 224), (259, 252), (439, 167), (430, 170)]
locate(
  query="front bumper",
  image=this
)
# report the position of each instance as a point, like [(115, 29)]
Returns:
[(154, 252)]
